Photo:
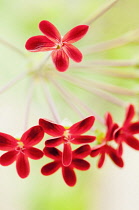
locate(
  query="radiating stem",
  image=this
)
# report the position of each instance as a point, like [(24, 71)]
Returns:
[(67, 97), (12, 47), (110, 44), (12, 82), (28, 104), (43, 62), (100, 12), (51, 103), (106, 96)]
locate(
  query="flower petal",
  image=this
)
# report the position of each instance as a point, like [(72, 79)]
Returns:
[(80, 164), (39, 43), (83, 139), (51, 128), (82, 126), (82, 151), (34, 153), (33, 136), (7, 142), (54, 142), (50, 31), (69, 176), (53, 153), (108, 120), (101, 160), (22, 166), (133, 128), (8, 158), (73, 52), (75, 34), (129, 115), (60, 60), (132, 142), (120, 149), (50, 168), (115, 157), (67, 154)]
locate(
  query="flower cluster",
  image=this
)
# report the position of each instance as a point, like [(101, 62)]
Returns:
[(68, 159)]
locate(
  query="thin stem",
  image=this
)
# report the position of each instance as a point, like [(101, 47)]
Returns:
[(106, 96), (110, 44), (12, 47), (28, 104), (116, 63), (67, 97), (12, 82), (101, 12), (51, 103)]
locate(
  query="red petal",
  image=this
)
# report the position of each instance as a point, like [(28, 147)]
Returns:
[(80, 164), (50, 31), (83, 139), (82, 126), (69, 176), (133, 128), (50, 168), (39, 43), (94, 153), (22, 166), (75, 34), (60, 60), (132, 142), (129, 115), (82, 151), (34, 153), (67, 155), (33, 136), (8, 158), (115, 157), (111, 131), (53, 153), (101, 160), (51, 128), (120, 149), (7, 142), (54, 142), (108, 120), (73, 52)]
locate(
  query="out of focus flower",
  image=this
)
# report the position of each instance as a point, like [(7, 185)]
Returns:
[(21, 150), (67, 136), (105, 148), (68, 173), (62, 47)]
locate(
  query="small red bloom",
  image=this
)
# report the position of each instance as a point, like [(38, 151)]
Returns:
[(21, 150), (68, 173), (127, 131), (67, 136), (105, 148), (61, 48)]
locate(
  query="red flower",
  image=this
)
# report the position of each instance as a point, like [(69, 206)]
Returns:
[(105, 148), (20, 150), (67, 172), (62, 47), (67, 136), (127, 131)]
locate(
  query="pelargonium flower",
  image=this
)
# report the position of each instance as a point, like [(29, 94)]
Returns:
[(61, 47), (126, 132), (21, 150), (104, 148), (67, 136), (68, 173)]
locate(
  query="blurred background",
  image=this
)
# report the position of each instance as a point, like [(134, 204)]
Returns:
[(22, 104)]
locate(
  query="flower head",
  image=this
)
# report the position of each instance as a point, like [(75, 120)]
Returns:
[(67, 136), (68, 173), (21, 150), (104, 148), (61, 47), (126, 132)]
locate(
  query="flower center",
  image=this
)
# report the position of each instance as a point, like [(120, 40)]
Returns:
[(59, 46), (67, 136), (20, 146)]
